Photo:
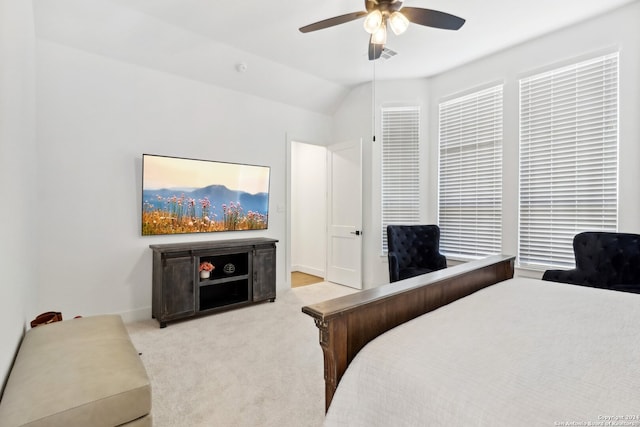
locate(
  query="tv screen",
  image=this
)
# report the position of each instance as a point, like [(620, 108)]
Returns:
[(182, 195)]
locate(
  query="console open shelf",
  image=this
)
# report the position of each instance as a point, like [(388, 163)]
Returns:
[(223, 294), (244, 272)]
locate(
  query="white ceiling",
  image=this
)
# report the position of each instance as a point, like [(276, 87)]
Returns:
[(205, 38)]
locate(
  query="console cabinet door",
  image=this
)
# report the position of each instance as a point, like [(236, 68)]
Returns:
[(178, 297), (264, 273)]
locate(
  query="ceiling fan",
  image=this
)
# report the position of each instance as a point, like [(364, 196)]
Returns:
[(380, 13)]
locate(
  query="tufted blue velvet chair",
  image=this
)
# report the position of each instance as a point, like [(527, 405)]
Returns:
[(413, 250), (603, 260)]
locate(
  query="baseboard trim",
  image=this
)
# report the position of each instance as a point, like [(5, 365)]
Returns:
[(136, 315)]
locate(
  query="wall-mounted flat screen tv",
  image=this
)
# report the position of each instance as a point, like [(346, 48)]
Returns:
[(182, 195)]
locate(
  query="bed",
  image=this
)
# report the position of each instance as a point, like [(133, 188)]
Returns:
[(513, 351)]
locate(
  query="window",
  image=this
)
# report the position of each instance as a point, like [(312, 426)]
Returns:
[(400, 167), (568, 159), (470, 174)]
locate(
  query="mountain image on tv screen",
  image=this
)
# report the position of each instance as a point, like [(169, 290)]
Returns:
[(182, 195)]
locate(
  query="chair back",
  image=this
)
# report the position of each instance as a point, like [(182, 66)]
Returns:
[(608, 258), (413, 250), (414, 245)]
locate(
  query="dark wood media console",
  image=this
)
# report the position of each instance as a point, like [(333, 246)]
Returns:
[(244, 273)]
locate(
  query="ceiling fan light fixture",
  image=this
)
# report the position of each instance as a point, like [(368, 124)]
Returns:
[(398, 23), (373, 21), (380, 36), (380, 13)]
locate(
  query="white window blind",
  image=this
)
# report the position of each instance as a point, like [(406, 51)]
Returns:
[(400, 167), (470, 174), (568, 159)]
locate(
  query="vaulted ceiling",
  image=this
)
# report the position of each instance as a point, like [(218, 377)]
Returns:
[(207, 40)]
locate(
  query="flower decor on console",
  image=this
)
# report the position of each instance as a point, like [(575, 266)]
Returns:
[(205, 269), (206, 266)]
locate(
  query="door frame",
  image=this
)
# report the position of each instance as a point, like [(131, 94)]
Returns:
[(288, 214), (289, 140)]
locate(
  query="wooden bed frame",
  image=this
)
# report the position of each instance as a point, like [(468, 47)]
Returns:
[(347, 323)]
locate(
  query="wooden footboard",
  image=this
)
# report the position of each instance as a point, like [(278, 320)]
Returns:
[(347, 323)]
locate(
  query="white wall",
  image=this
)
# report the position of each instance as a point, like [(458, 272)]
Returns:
[(96, 116), (309, 208), (19, 260)]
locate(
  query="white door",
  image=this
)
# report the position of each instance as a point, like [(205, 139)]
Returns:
[(344, 242)]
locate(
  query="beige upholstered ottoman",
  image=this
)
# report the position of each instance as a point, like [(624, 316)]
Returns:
[(80, 372)]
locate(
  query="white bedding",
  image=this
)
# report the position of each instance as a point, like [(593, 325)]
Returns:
[(520, 353)]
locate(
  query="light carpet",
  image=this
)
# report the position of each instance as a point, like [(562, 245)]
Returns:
[(260, 365)]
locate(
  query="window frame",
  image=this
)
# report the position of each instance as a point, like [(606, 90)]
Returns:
[(481, 112), (535, 250), (400, 180)]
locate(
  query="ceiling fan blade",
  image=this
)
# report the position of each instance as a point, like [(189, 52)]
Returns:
[(375, 50), (432, 18), (336, 20)]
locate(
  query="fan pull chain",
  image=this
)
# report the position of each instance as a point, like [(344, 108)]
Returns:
[(373, 103)]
